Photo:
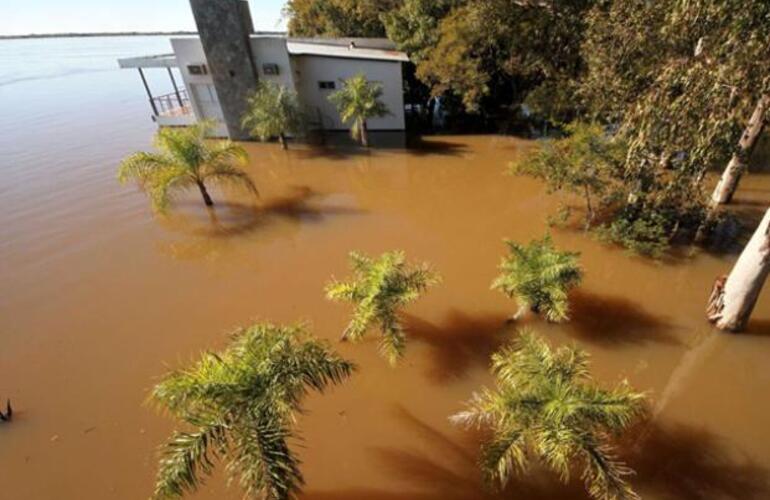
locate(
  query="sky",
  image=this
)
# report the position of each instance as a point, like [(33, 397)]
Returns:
[(21, 17)]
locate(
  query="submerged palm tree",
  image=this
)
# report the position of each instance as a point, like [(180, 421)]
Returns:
[(273, 112), (547, 405), (539, 277), (240, 405), (186, 160), (379, 288), (357, 101)]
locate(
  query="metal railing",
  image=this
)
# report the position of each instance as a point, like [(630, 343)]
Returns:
[(172, 104)]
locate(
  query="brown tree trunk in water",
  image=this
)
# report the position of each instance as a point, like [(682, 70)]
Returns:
[(732, 299), (282, 140), (728, 183), (364, 135), (206, 198)]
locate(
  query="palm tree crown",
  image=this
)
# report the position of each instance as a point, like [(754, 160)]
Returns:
[(546, 404), (357, 101), (186, 160), (240, 405), (539, 277), (379, 288), (273, 112)]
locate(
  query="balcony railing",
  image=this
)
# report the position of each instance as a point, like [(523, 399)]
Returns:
[(173, 104)]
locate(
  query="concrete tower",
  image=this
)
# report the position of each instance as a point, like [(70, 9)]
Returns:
[(224, 27)]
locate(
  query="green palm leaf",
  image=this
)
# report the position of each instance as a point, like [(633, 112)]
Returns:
[(185, 160), (241, 405), (379, 289), (539, 277), (545, 404)]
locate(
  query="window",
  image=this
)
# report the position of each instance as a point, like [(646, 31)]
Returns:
[(197, 69), (270, 69), (327, 85)]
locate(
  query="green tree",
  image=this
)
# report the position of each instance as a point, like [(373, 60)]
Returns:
[(273, 111), (379, 289), (539, 277), (240, 407), (586, 163), (487, 49), (546, 404), (357, 101), (338, 18), (186, 160)]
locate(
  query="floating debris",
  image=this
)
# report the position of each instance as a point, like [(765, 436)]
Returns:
[(8, 415)]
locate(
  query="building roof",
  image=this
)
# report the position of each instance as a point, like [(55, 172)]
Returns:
[(347, 51), (377, 49), (157, 61)]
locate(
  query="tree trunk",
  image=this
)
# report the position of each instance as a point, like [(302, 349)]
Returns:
[(727, 185), (733, 298), (282, 140), (206, 198), (364, 135)]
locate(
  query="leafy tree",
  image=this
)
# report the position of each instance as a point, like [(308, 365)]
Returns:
[(338, 18), (488, 46), (273, 111), (546, 404), (357, 101), (586, 163), (539, 277), (379, 289), (240, 406), (186, 160)]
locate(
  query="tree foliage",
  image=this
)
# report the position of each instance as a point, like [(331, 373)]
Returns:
[(185, 160), (357, 101), (546, 404), (587, 162), (273, 111), (239, 407), (379, 289), (539, 277), (337, 18)]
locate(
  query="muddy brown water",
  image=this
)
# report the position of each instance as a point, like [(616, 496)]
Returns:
[(98, 298)]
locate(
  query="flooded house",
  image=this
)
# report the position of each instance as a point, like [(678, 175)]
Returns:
[(220, 69)]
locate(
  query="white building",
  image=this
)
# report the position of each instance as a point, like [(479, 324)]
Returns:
[(314, 68)]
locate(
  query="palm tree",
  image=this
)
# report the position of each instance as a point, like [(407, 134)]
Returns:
[(240, 405), (539, 277), (273, 112), (379, 288), (357, 101), (186, 160), (547, 405)]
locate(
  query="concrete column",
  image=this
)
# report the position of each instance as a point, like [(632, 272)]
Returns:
[(224, 27)]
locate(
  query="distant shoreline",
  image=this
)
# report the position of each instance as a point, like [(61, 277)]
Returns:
[(32, 36), (93, 35)]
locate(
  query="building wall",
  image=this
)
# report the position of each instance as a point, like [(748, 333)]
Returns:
[(272, 50), (301, 72), (310, 69), (189, 51)]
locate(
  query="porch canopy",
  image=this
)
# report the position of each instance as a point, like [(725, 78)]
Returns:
[(174, 104)]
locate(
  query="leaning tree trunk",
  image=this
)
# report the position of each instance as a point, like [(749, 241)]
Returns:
[(733, 297), (282, 140), (727, 185), (206, 198), (364, 134)]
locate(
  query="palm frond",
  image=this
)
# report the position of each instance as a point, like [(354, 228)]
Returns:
[(242, 403), (545, 404), (539, 277), (380, 287), (185, 457)]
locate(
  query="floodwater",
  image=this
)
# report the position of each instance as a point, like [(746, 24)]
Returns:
[(98, 298)]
